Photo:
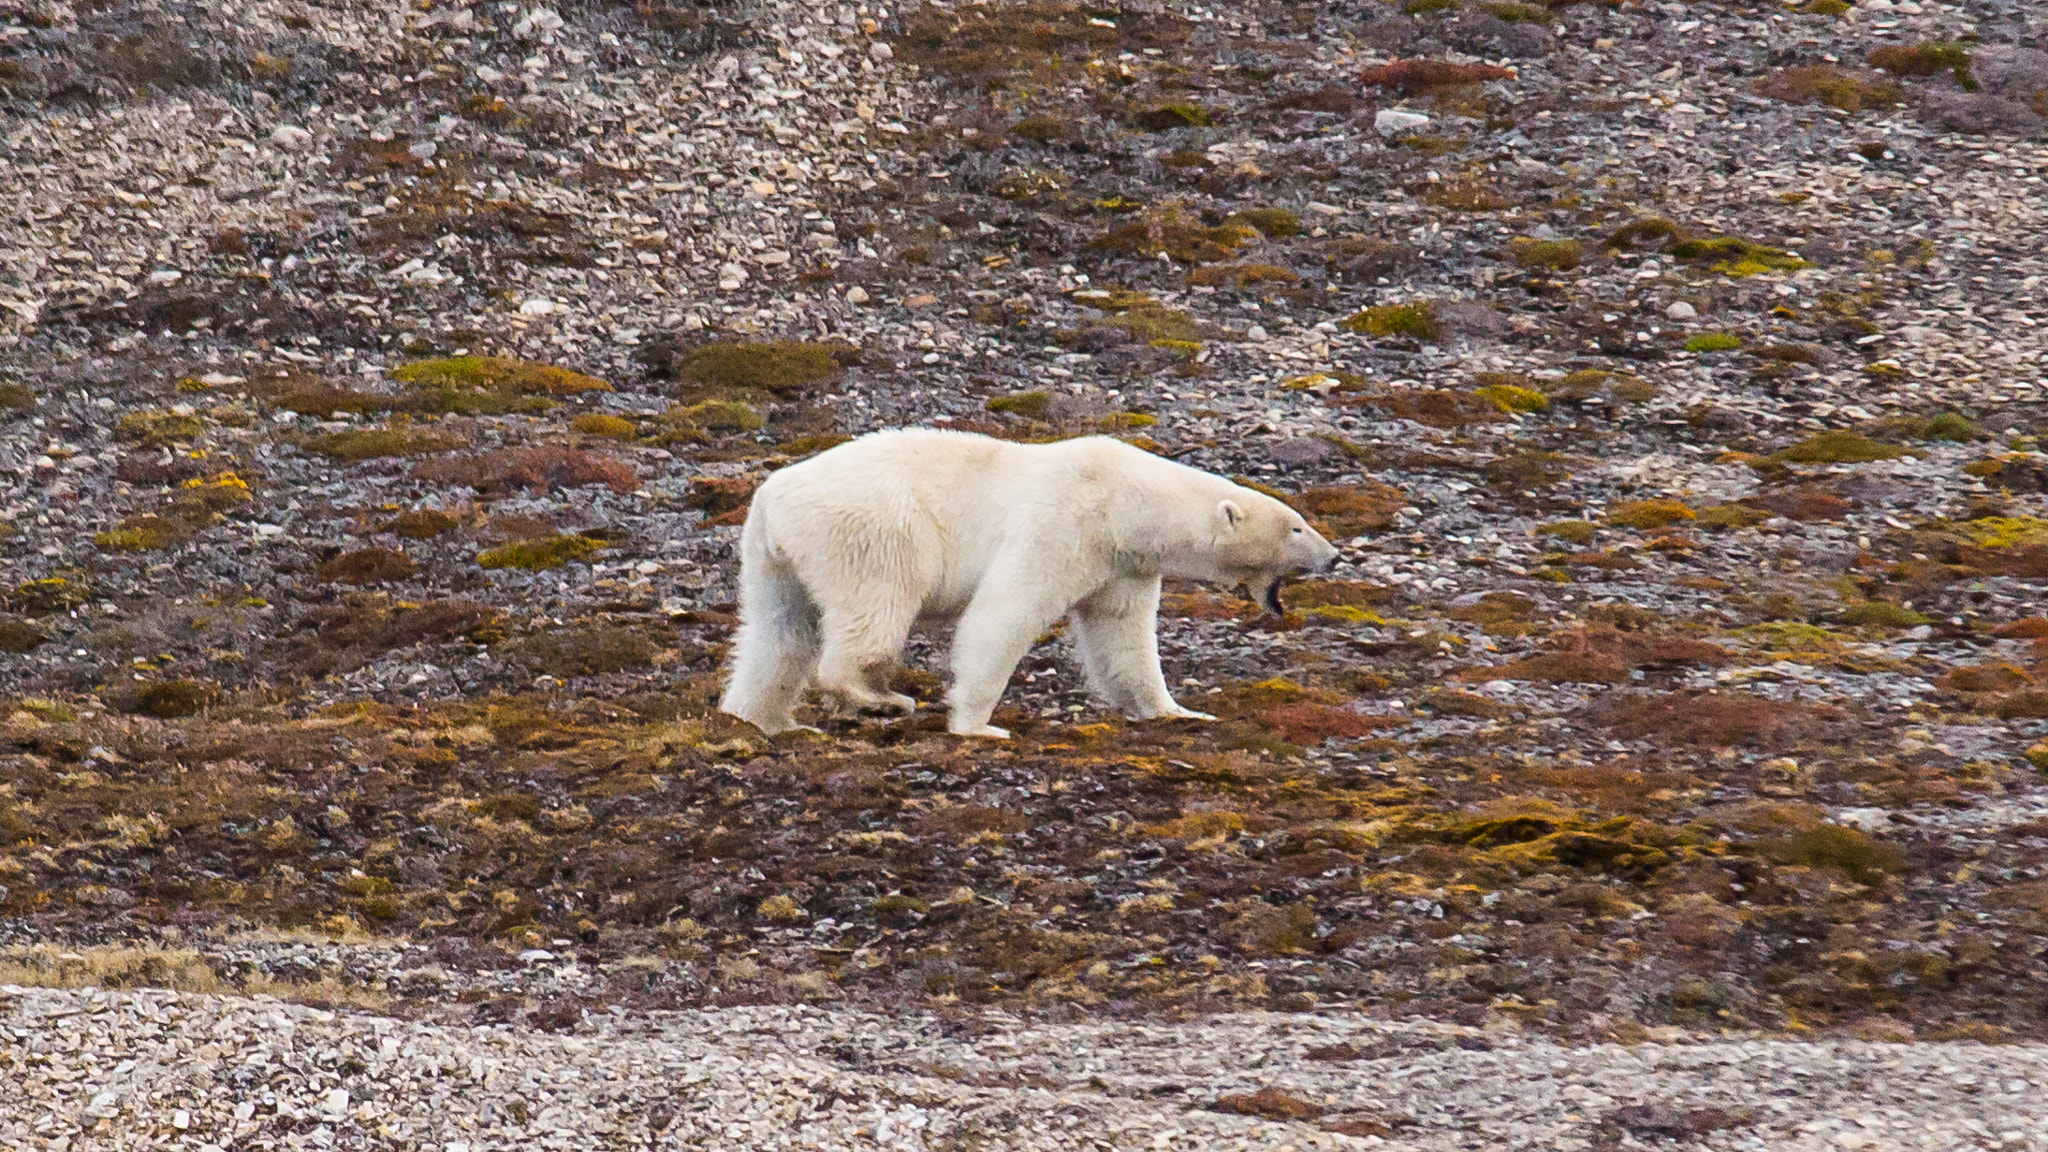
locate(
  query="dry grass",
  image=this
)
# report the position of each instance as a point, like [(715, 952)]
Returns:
[(122, 967)]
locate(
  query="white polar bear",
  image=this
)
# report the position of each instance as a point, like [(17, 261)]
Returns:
[(843, 553)]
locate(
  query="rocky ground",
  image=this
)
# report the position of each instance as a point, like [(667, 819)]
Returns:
[(381, 388)]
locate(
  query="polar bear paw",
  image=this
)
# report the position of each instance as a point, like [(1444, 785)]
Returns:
[(890, 704), (1179, 713), (985, 731)]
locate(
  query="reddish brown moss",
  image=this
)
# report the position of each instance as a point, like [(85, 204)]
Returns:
[(1415, 77), (533, 469), (369, 566), (1834, 87), (1716, 719)]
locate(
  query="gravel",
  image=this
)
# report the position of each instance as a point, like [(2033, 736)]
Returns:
[(148, 1069)]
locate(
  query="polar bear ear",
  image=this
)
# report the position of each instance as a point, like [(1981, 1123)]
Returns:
[(1231, 514)]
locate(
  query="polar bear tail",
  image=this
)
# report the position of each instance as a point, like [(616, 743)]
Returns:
[(775, 651)]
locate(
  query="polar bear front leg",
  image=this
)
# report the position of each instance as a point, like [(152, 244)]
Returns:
[(1117, 631), (999, 626)]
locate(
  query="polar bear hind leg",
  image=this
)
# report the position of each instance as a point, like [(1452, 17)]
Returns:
[(775, 651), (1116, 632), (864, 626)]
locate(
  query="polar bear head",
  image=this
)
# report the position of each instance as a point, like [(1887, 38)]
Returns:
[(1259, 542)]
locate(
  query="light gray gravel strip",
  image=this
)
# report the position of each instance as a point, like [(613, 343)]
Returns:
[(147, 1069)]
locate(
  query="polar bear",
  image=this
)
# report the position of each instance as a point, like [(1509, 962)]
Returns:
[(843, 553)]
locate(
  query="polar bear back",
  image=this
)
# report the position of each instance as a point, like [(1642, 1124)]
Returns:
[(934, 510)]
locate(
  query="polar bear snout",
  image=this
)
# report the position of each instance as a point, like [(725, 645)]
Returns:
[(1309, 552)]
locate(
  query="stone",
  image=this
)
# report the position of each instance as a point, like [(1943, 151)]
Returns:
[(1391, 121)]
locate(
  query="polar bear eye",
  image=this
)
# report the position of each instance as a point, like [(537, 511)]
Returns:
[(1297, 531)]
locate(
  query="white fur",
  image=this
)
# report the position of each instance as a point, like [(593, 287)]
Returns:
[(843, 553)]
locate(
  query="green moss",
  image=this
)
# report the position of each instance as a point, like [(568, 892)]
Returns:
[(1557, 255), (1862, 859), (1153, 322), (1926, 60), (1415, 320), (443, 401), (545, 552), (609, 427), (1732, 517), (585, 651), (142, 534), (2004, 531), (1030, 404), (722, 416), (1952, 426), (1513, 398), (1125, 421), (1277, 223), (1518, 13), (1713, 342), (1644, 515), (46, 596), (1790, 636), (17, 397), (497, 374), (897, 907), (1650, 232), (171, 699), (423, 523), (1424, 7), (1827, 7), (1881, 614), (377, 443), (1839, 447), (1572, 531), (783, 367), (1041, 129), (158, 429), (1344, 614), (1166, 117), (1733, 256)]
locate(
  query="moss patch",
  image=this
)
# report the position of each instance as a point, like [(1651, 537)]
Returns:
[(423, 524), (1166, 117), (1926, 60), (1834, 87), (585, 651), (159, 429), (779, 368), (1840, 447), (1416, 321), (1650, 514), (369, 566), (375, 443), (1556, 255), (19, 636), (1713, 342), (143, 534), (538, 554), (1415, 77), (607, 426), (1275, 223), (1513, 398), (497, 374), (1032, 403), (173, 699)]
